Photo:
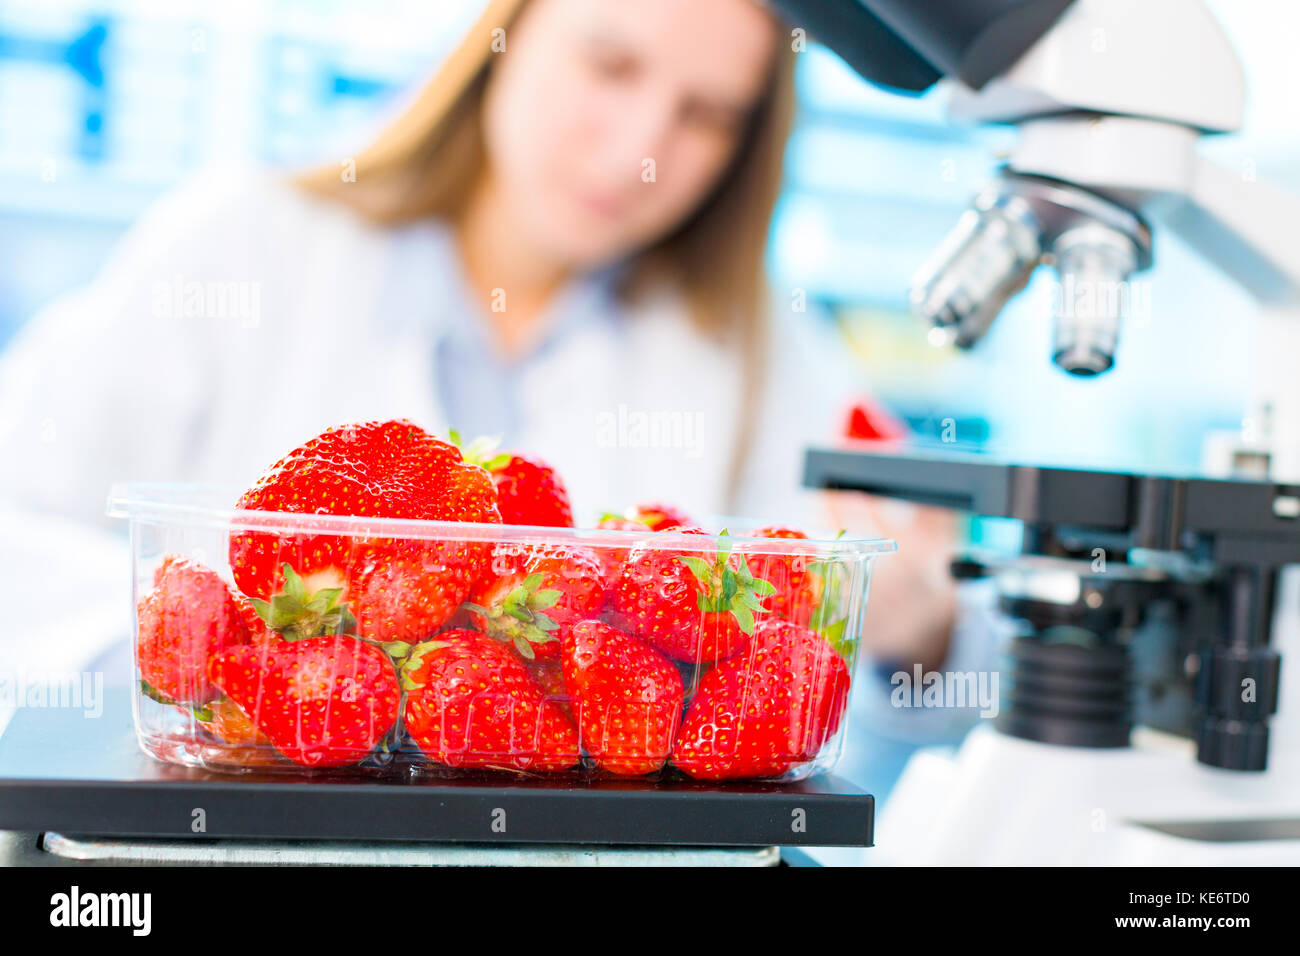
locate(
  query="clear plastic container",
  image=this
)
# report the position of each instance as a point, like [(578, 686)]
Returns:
[(447, 648)]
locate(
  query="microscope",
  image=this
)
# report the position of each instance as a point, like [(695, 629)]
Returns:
[(1155, 614)]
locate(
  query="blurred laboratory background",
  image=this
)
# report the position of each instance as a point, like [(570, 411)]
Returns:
[(105, 105)]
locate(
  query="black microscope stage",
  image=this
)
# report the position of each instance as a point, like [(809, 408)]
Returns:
[(64, 772)]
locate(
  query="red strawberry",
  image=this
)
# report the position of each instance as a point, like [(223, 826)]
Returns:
[(471, 702), (613, 556), (398, 589), (659, 517), (190, 614), (696, 607), (224, 719), (550, 678), (767, 711), (807, 586), (533, 593), (798, 587), (237, 739), (529, 492), (627, 695), (323, 701)]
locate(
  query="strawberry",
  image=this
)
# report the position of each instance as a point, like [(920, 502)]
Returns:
[(533, 593), (237, 741), (612, 557), (798, 589), (471, 702), (627, 695), (529, 492), (659, 517), (550, 678), (189, 614), (398, 589), (323, 701), (693, 607), (767, 711), (808, 590), (224, 719)]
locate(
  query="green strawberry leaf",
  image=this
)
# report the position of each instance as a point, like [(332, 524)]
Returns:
[(262, 608), (548, 597), (730, 585), (724, 544), (744, 617), (296, 614), (702, 569), (545, 622), (293, 585), (396, 648), (481, 451), (153, 694)]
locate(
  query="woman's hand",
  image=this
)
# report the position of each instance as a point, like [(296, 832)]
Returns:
[(913, 603)]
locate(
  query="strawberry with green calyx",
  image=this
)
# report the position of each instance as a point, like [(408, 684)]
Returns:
[(296, 613), (627, 697), (189, 614), (765, 712), (534, 593), (471, 702), (323, 701), (529, 492), (694, 607), (397, 588)]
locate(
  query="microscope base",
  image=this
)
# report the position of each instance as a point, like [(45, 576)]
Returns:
[(1000, 800)]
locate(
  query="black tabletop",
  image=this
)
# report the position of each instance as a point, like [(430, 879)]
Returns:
[(65, 770)]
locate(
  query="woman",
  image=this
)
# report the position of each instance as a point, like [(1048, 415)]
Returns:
[(560, 241)]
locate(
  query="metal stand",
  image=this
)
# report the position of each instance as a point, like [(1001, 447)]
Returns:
[(148, 852)]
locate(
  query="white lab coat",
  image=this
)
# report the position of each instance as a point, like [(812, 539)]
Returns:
[(326, 319)]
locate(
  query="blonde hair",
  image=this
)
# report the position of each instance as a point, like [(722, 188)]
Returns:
[(426, 163)]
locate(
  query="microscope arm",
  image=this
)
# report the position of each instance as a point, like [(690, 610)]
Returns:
[(1246, 227), (908, 45)]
